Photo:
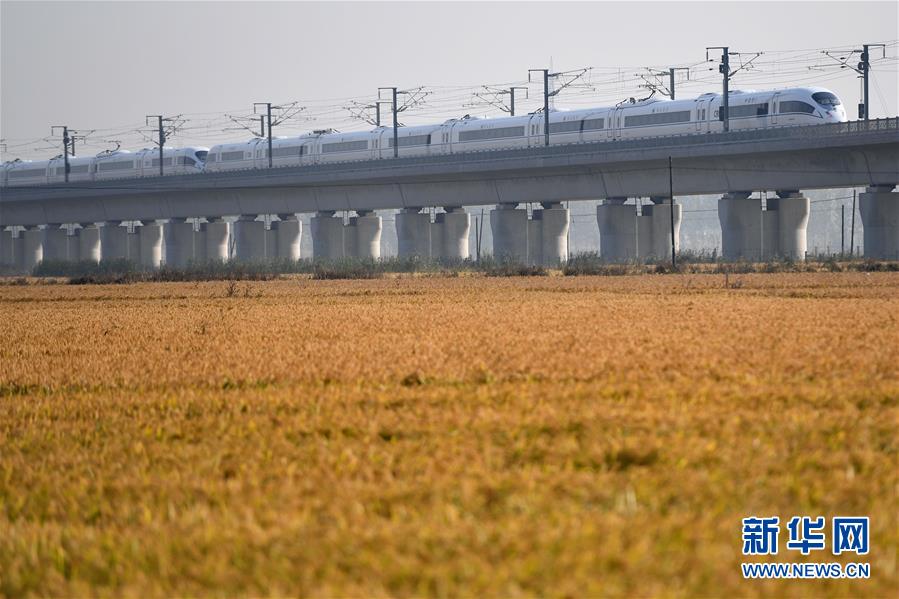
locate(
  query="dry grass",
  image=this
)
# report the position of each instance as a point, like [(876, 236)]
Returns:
[(432, 436)]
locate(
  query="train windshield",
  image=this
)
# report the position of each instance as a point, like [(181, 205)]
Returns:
[(201, 155), (826, 99)]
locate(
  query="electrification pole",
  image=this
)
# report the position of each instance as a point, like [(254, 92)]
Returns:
[(545, 102), (671, 77), (724, 69), (396, 147), (865, 67), (268, 116), (65, 147), (159, 119), (671, 195), (512, 98)]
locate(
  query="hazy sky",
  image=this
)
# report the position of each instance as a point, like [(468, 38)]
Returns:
[(105, 66)]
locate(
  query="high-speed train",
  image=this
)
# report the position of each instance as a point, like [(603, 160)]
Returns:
[(627, 120)]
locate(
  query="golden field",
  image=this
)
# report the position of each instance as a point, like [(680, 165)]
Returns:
[(442, 436)]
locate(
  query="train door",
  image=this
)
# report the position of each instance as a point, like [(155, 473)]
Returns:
[(614, 118), (775, 108), (702, 109)]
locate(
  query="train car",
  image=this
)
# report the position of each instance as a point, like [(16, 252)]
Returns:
[(119, 164), (81, 168), (411, 141), (474, 134), (27, 172), (175, 161), (345, 147), (233, 156)]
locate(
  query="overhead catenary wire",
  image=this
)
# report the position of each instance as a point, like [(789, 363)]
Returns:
[(603, 85)]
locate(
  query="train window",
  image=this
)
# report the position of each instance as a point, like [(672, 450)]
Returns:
[(497, 133), (211, 157), (344, 146), (565, 127), (286, 151), (81, 168), (659, 118), (165, 162), (201, 155), (826, 99), (228, 156), (411, 140), (789, 106), (24, 174), (593, 124), (749, 110), (117, 166)]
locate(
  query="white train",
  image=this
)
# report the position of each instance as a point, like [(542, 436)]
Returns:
[(628, 120), (120, 164)]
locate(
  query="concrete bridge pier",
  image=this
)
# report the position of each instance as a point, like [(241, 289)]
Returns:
[(132, 244), (654, 229), (327, 236), (510, 232), (289, 234), (413, 233), (73, 244), (454, 226), (617, 230), (179, 242), (214, 240), (150, 236), (7, 254), (32, 248), (54, 243), (748, 233), (879, 207), (741, 226), (550, 239), (250, 239), (363, 235), (88, 237), (113, 243), (788, 236)]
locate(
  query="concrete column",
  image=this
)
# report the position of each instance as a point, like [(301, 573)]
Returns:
[(54, 243), (179, 242), (7, 255), (454, 226), (879, 208), (363, 236), (413, 233), (113, 241), (73, 245), (792, 210), (214, 240), (151, 237), (510, 232), (654, 230), (617, 230), (89, 242), (32, 248), (327, 236), (132, 245), (18, 250), (249, 237), (741, 226), (289, 234), (551, 233)]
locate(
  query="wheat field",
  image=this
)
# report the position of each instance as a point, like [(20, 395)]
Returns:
[(418, 436)]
